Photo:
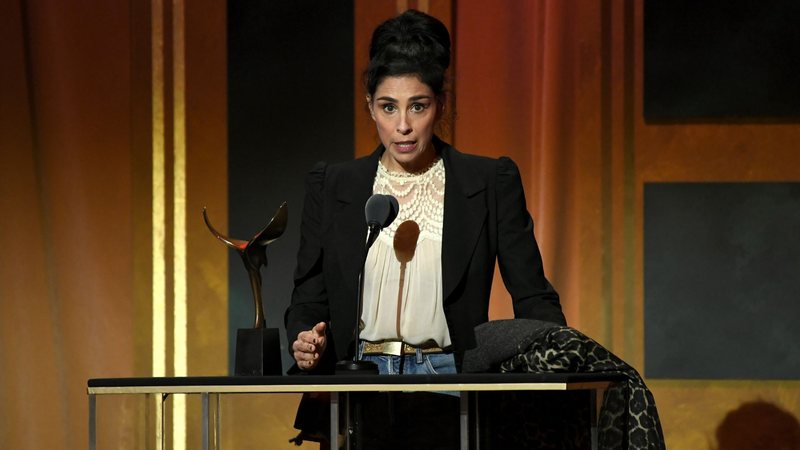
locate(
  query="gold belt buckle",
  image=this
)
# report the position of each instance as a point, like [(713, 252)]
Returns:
[(394, 348)]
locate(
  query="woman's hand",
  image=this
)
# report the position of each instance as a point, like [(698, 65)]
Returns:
[(309, 346)]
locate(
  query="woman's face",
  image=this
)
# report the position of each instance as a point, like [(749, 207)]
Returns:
[(405, 111)]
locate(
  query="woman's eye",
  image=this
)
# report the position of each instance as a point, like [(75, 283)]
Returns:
[(389, 108), (417, 107)]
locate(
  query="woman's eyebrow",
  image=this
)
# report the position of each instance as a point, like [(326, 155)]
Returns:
[(386, 98)]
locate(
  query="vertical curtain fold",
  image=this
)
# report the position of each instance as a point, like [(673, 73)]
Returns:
[(65, 277), (31, 368), (535, 66)]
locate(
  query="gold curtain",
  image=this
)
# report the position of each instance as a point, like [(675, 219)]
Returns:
[(544, 70), (66, 177), (78, 129)]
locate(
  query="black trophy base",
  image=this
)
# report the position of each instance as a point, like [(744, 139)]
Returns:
[(349, 367), (258, 352)]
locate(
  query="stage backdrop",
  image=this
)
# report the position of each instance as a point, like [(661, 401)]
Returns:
[(118, 123)]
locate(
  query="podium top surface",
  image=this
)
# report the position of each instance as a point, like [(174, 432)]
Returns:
[(354, 383)]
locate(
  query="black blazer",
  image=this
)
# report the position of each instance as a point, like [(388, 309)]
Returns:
[(485, 219)]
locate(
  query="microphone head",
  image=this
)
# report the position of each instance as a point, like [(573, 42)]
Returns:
[(381, 210), (395, 209)]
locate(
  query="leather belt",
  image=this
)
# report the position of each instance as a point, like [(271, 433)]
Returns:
[(397, 348)]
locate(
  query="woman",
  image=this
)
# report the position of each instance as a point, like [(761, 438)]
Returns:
[(428, 277)]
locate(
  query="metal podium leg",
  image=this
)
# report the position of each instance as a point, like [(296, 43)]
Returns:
[(334, 420), (162, 438), (210, 425), (593, 393), (476, 423), (92, 422), (204, 425), (464, 420), (217, 419), (348, 422)]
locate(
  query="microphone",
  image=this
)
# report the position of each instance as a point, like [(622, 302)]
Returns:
[(379, 211)]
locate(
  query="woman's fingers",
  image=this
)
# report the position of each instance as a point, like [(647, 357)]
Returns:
[(319, 329), (303, 346), (303, 356), (308, 346), (307, 365)]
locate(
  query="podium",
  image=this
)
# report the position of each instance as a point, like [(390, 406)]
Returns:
[(211, 388)]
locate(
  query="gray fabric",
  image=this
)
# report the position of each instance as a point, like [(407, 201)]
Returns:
[(499, 340)]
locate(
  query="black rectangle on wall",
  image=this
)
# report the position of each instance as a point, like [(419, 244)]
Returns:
[(719, 60), (722, 280), (290, 100)]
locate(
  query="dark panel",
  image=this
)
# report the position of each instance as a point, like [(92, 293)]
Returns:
[(722, 60), (722, 284), (290, 99)]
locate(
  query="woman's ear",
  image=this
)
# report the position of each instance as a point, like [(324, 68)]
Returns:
[(369, 106), (441, 102)]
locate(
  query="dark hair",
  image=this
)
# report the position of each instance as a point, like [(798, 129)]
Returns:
[(411, 43)]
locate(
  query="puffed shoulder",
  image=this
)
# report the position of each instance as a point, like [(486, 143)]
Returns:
[(507, 167), (316, 176), (508, 176), (318, 171), (486, 164)]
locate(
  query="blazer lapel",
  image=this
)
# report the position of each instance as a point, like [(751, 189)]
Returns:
[(464, 217), (353, 189)]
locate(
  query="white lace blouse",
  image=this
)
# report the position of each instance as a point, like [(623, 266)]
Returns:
[(403, 277)]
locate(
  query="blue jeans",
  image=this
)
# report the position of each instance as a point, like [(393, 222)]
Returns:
[(418, 364)]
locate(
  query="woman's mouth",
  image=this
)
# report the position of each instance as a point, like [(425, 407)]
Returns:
[(405, 146)]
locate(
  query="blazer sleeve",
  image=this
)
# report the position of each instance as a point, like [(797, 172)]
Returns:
[(518, 253), (309, 304)]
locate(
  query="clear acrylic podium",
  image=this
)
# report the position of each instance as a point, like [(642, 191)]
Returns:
[(211, 388)]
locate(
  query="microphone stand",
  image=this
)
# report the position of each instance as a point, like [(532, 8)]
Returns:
[(357, 366), (380, 211)]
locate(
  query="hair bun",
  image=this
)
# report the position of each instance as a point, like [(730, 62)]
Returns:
[(413, 35), (411, 43)]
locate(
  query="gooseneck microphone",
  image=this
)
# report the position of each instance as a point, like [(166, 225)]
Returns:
[(379, 211)]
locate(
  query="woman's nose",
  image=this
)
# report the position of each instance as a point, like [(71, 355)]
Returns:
[(403, 127)]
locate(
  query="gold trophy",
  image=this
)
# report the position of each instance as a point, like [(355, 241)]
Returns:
[(258, 349)]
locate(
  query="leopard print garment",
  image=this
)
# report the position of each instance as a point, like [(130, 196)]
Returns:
[(564, 349)]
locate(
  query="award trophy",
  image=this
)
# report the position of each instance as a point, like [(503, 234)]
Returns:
[(258, 349)]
